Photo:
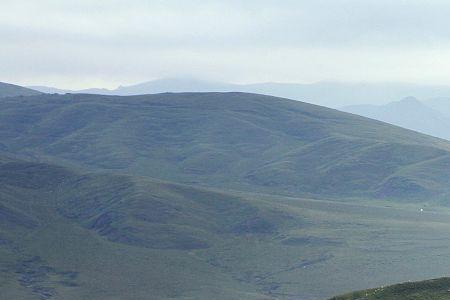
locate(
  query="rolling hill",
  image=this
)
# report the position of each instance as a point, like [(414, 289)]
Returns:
[(11, 90), (231, 141), (67, 234)]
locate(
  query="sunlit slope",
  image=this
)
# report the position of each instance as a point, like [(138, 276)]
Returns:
[(230, 140), (435, 289)]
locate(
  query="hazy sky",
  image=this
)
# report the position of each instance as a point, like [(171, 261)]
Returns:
[(82, 43)]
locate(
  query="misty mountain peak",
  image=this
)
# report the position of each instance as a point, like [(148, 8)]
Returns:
[(410, 100)]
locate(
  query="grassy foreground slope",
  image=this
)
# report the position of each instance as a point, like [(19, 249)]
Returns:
[(65, 235), (230, 141), (71, 235), (11, 90), (435, 289)]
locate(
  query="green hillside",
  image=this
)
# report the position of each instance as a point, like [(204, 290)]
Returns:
[(435, 289), (11, 90), (66, 234), (231, 141)]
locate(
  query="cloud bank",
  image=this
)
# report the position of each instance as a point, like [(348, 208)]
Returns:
[(79, 44)]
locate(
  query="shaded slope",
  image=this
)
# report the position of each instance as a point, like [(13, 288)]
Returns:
[(161, 215), (230, 140), (109, 204), (69, 235)]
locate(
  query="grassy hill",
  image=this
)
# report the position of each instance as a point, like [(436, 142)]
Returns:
[(231, 141), (66, 234), (11, 90), (435, 289)]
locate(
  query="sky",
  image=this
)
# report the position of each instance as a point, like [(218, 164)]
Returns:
[(105, 43)]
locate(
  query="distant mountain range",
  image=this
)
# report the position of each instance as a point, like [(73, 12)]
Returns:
[(431, 117), (330, 94), (174, 85)]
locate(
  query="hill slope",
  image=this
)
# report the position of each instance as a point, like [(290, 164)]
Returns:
[(435, 289), (71, 235), (232, 141), (66, 235), (11, 90)]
